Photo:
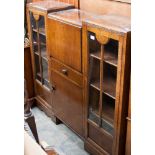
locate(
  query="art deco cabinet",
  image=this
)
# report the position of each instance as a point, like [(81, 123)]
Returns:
[(106, 57), (66, 71), (37, 15), (81, 66)]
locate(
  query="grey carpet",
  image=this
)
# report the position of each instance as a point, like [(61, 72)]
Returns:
[(58, 136)]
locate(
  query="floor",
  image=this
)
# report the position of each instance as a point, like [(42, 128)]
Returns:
[(58, 136)]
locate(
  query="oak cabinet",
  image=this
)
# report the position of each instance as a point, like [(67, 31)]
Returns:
[(66, 57), (106, 45), (81, 67), (37, 16)]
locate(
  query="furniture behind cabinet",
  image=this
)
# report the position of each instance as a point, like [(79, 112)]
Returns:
[(37, 16)]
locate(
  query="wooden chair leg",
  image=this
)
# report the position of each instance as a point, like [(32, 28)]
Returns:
[(31, 122)]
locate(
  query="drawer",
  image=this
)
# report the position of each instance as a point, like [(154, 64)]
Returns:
[(67, 72)]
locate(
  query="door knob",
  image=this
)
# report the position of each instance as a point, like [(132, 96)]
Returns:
[(65, 71)]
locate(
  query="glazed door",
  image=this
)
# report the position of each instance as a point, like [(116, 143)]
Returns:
[(102, 82), (39, 48)]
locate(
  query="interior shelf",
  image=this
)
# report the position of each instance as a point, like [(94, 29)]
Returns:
[(107, 122), (41, 31), (43, 54), (42, 43), (107, 114), (109, 57), (109, 86)]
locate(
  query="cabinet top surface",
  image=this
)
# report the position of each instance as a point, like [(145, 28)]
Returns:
[(49, 5), (72, 16), (111, 22)]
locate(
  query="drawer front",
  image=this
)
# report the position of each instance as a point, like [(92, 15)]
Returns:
[(100, 138), (64, 43), (68, 102), (67, 72)]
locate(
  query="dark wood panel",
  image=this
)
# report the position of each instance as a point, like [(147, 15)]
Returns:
[(68, 102), (28, 75), (106, 6), (64, 43), (43, 92), (101, 138)]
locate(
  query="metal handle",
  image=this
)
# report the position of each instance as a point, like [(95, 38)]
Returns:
[(52, 88), (65, 71), (128, 118)]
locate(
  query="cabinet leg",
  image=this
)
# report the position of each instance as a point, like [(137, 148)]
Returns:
[(56, 120)]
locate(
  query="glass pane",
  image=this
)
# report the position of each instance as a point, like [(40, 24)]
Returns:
[(37, 69), (33, 21), (94, 93), (94, 46), (34, 33), (111, 52), (94, 73), (94, 105), (41, 25), (109, 80), (45, 72), (43, 46), (108, 108), (35, 42)]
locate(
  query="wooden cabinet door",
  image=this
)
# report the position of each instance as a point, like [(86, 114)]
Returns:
[(64, 42), (67, 102)]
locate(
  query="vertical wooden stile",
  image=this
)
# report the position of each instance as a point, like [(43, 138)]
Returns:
[(101, 85)]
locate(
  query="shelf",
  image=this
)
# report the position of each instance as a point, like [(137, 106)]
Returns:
[(109, 57), (109, 86), (41, 31), (43, 54), (107, 114), (42, 44), (107, 125)]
